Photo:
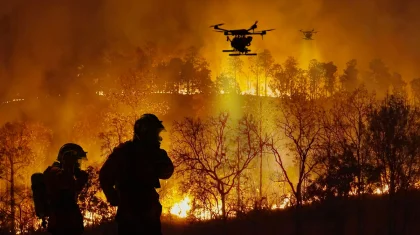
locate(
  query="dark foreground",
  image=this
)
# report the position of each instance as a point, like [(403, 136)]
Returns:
[(339, 217)]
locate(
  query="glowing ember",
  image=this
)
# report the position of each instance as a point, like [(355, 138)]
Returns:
[(182, 208)]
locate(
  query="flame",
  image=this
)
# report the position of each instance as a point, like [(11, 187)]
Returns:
[(181, 208)]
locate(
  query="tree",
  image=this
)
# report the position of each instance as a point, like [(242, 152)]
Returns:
[(256, 69), (379, 78), (212, 154), (349, 79), (398, 85), (266, 60), (127, 102), (301, 126), (171, 75), (236, 65), (94, 208), (316, 73), (227, 84), (330, 77), (415, 90), (290, 79), (351, 132), (394, 137), (195, 73), (23, 145)]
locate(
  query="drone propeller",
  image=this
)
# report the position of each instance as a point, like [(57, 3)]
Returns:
[(216, 25), (254, 26)]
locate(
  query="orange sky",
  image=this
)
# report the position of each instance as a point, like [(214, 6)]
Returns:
[(38, 36)]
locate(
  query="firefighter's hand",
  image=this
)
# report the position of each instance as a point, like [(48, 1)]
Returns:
[(82, 178)]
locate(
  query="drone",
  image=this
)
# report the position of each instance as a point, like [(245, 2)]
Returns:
[(308, 34), (241, 41)]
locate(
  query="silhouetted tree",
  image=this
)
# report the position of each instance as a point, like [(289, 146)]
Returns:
[(256, 69), (206, 152), (18, 151), (195, 73), (227, 84), (398, 85), (94, 208), (316, 73), (266, 60), (236, 65), (379, 78), (171, 75), (394, 139), (289, 80), (415, 90), (330, 77), (349, 79), (301, 126)]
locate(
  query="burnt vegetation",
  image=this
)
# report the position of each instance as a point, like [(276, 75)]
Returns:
[(317, 150)]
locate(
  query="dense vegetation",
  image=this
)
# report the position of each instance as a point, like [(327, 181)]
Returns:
[(317, 141)]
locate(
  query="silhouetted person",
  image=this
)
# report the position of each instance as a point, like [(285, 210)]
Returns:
[(131, 174), (64, 180)]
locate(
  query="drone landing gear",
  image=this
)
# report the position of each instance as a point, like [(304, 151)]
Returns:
[(228, 50), (239, 54)]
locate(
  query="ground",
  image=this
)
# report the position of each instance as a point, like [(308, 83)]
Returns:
[(339, 217)]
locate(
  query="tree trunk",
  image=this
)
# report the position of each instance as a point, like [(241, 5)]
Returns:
[(265, 86), (238, 186), (223, 198), (298, 209), (392, 205), (261, 158), (12, 198)]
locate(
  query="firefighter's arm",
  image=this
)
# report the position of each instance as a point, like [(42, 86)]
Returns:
[(163, 166), (82, 178), (60, 179), (107, 179)]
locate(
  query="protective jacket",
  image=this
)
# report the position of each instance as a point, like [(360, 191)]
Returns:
[(63, 188), (129, 178)]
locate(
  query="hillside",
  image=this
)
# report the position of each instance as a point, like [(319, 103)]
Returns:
[(338, 217)]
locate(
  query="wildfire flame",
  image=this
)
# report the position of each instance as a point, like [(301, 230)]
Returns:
[(181, 208)]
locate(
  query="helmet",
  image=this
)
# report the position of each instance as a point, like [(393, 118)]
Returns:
[(71, 150), (147, 124)]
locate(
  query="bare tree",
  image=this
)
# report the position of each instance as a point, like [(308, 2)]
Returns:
[(301, 125), (212, 154), (127, 102), (394, 137), (22, 145), (351, 129)]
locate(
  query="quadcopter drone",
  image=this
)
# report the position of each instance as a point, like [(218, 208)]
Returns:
[(241, 41), (308, 34)]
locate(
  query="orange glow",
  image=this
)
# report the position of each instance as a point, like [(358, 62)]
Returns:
[(181, 208)]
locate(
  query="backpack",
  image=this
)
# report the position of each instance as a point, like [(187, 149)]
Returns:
[(39, 195)]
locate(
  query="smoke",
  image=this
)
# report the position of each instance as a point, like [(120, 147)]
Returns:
[(41, 38)]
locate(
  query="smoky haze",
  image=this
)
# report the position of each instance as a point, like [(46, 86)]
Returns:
[(42, 40)]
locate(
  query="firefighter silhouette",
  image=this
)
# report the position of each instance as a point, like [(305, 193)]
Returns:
[(131, 174), (64, 180)]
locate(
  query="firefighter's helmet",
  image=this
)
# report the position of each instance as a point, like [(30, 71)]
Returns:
[(147, 124), (71, 150)]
